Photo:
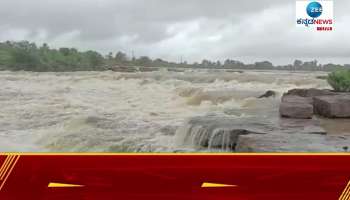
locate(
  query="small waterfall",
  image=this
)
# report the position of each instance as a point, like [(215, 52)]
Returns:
[(217, 132)]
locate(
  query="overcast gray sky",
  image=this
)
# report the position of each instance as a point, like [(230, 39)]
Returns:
[(194, 29)]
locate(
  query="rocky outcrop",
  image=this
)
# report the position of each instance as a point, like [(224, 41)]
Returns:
[(291, 143), (300, 126), (335, 106), (297, 99), (304, 103), (297, 107), (312, 92), (296, 110), (217, 132)]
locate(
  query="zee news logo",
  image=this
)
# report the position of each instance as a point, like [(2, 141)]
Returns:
[(315, 14)]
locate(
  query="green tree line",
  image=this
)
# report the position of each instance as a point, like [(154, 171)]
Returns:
[(28, 56)]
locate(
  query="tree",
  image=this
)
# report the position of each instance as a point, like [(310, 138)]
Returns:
[(264, 65), (121, 57), (109, 56), (340, 80), (144, 61), (94, 59), (298, 63)]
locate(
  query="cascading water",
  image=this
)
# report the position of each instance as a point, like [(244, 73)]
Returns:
[(134, 112)]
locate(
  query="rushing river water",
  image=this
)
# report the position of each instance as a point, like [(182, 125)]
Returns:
[(129, 112)]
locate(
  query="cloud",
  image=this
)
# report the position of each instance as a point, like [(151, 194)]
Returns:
[(170, 29)]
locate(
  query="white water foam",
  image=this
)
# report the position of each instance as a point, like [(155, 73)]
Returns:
[(131, 112)]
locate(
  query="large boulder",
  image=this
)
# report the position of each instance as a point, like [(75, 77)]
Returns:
[(297, 99), (299, 103), (297, 107), (336, 106), (296, 110)]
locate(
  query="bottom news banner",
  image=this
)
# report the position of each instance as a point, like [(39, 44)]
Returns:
[(174, 176)]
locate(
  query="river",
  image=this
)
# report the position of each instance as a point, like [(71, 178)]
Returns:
[(129, 112)]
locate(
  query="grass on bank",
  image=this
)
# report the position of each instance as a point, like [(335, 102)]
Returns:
[(340, 80)]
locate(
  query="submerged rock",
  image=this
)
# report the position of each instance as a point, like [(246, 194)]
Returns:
[(288, 143), (148, 69), (300, 126), (175, 70), (223, 133), (336, 106), (268, 94), (128, 69)]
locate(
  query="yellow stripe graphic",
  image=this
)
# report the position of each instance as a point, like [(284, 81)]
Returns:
[(60, 185), (3, 165), (7, 167), (8, 163), (216, 185), (343, 193), (11, 166), (346, 193)]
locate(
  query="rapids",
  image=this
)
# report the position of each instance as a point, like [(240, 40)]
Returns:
[(131, 112)]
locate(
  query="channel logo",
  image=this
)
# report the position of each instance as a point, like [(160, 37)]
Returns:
[(315, 15)]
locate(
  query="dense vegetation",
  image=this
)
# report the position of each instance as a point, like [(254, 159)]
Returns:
[(28, 56), (340, 80)]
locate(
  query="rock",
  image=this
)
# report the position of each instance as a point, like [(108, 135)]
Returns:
[(235, 71), (297, 107), (301, 126), (289, 143), (268, 94), (175, 70), (296, 110), (325, 103), (299, 103), (297, 99), (225, 133), (122, 69), (322, 77), (148, 69), (335, 126), (312, 92), (336, 106)]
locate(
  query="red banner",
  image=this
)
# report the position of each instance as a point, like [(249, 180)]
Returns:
[(174, 176)]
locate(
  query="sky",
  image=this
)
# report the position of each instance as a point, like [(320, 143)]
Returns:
[(193, 30)]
